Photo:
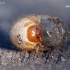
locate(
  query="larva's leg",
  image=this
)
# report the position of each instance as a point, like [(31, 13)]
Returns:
[(37, 48)]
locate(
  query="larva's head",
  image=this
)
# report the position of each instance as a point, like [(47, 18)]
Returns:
[(40, 32), (33, 33)]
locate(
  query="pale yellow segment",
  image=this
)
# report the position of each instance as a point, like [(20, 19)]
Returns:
[(29, 45), (27, 24)]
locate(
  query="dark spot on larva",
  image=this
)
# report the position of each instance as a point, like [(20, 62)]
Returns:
[(19, 39)]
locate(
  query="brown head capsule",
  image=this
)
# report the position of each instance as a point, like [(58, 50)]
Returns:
[(38, 32)]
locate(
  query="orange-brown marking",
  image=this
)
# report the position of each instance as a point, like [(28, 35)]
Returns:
[(31, 33), (27, 23)]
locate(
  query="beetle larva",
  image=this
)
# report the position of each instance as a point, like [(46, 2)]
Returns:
[(38, 32)]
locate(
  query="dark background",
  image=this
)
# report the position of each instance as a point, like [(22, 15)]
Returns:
[(10, 10)]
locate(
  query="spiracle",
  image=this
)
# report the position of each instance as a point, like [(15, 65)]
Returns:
[(38, 32)]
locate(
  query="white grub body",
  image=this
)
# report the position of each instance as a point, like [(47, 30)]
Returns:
[(18, 32), (20, 28)]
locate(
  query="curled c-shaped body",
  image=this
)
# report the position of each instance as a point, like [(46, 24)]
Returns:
[(38, 32)]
